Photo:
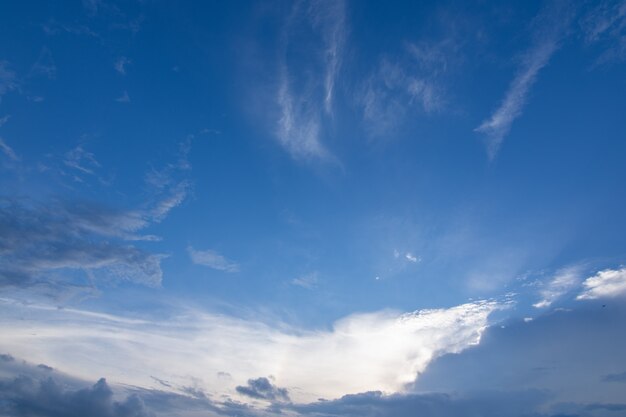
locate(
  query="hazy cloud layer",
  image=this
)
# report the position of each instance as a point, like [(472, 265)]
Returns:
[(380, 350)]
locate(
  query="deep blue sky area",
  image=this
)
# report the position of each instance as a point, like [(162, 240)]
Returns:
[(241, 208)]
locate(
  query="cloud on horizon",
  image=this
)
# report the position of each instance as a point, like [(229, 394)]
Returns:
[(380, 350)]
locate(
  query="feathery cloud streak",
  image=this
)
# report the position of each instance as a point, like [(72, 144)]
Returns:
[(301, 121), (549, 28)]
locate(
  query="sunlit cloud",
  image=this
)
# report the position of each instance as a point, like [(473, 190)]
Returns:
[(375, 351), (608, 283)]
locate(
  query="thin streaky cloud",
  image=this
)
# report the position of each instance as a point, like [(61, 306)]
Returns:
[(8, 151), (124, 98), (302, 110), (212, 259), (563, 282), (552, 25)]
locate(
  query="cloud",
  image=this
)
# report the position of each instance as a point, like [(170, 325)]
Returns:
[(7, 79), (8, 151), (44, 65), (376, 404), (548, 29), (301, 92), (411, 258), (263, 389), (563, 282), (381, 350), (120, 65), (412, 82), (567, 353), (25, 396), (212, 259), (605, 24), (81, 160), (56, 244), (124, 98), (306, 281), (609, 283), (39, 239)]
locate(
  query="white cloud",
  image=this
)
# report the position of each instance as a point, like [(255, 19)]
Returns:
[(605, 284), (375, 351), (120, 64), (212, 259), (306, 281), (301, 120), (124, 98), (564, 281), (7, 79), (411, 258), (8, 151), (549, 28)]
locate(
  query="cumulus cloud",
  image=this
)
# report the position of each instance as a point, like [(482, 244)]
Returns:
[(605, 284), (549, 28), (25, 396), (263, 389), (564, 281), (361, 352), (212, 259)]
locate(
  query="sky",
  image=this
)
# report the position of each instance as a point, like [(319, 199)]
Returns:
[(312, 208)]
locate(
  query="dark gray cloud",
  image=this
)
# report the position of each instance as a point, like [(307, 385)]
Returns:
[(568, 353), (25, 396), (375, 404), (263, 389)]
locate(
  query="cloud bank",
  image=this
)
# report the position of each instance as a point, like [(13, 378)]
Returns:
[(362, 352)]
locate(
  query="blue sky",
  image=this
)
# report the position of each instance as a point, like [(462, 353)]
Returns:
[(240, 209)]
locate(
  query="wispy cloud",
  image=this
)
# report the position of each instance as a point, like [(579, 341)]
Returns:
[(301, 120), (61, 244), (548, 28), (306, 281), (8, 151), (8, 80), (124, 98), (120, 64), (564, 281), (44, 66), (375, 351), (608, 283), (212, 259), (411, 82), (605, 23)]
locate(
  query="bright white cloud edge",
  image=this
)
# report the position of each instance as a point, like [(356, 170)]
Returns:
[(383, 350)]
